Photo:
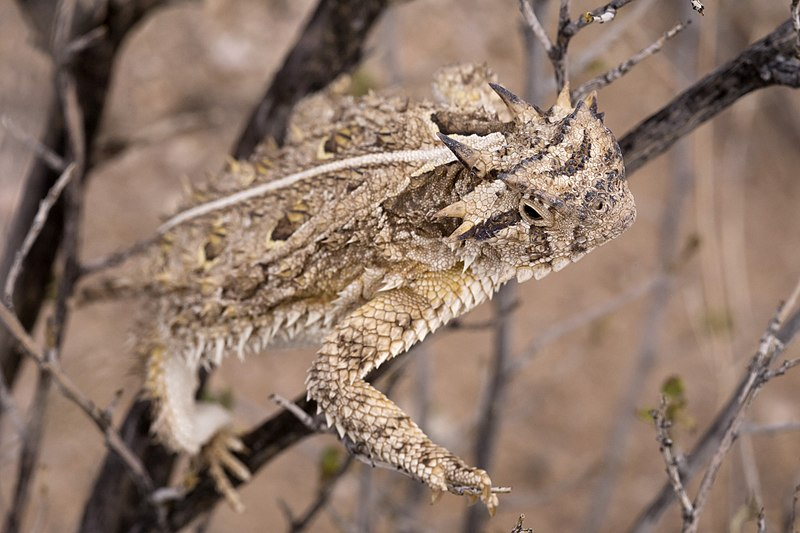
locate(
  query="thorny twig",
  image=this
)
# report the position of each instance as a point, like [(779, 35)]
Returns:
[(672, 462), (623, 68), (71, 391), (43, 152), (36, 227), (758, 374), (724, 430), (519, 528)]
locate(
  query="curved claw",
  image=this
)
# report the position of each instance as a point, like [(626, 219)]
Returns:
[(218, 454)]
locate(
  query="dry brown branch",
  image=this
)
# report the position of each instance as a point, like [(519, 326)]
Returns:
[(672, 462), (101, 418), (536, 27), (758, 375), (53, 161), (723, 430), (769, 61), (623, 68), (36, 228)]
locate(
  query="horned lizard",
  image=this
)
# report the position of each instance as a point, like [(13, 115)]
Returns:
[(377, 222)]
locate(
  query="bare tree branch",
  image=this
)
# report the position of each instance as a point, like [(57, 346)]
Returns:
[(330, 43), (535, 25), (711, 439), (623, 68), (36, 228), (317, 58), (672, 462), (90, 63), (770, 61)]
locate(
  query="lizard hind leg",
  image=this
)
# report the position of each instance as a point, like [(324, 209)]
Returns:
[(200, 429), (381, 329)]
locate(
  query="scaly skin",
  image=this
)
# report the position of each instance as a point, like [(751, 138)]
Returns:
[(378, 222)]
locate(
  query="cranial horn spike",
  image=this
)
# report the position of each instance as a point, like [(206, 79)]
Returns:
[(591, 101), (469, 158), (564, 100), (454, 210), (519, 108)]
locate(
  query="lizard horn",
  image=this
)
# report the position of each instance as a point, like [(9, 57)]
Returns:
[(472, 159), (521, 110)]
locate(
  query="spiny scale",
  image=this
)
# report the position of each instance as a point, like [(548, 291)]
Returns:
[(371, 228)]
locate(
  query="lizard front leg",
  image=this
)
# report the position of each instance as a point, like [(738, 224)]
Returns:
[(384, 327)]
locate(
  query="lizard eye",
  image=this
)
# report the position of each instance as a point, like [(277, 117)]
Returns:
[(533, 213)]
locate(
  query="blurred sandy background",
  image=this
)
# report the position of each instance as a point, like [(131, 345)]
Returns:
[(184, 85)]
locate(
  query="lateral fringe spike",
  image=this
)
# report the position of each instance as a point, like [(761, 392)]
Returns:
[(462, 229), (454, 210), (520, 110)]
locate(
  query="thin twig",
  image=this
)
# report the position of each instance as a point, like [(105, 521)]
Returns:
[(623, 68), (577, 321), (795, 11), (490, 412), (535, 25), (768, 350), (72, 393), (605, 13), (36, 227), (8, 405), (610, 35), (54, 161), (672, 463), (769, 429), (324, 492)]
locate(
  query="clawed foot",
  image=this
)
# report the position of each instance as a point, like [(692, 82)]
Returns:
[(453, 476), (218, 455)]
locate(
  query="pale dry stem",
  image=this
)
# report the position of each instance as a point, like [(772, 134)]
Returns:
[(36, 227), (623, 68), (72, 393), (672, 462)]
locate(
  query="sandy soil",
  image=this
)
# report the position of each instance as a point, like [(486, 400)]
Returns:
[(185, 83)]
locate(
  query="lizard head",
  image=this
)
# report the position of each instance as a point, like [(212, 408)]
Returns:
[(553, 191)]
